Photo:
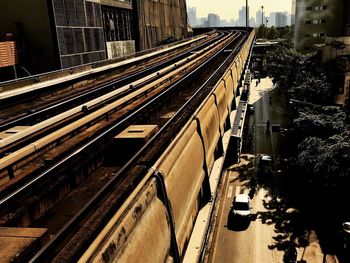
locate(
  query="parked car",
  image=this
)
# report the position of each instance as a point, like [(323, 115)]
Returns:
[(241, 206), (265, 164), (250, 108)]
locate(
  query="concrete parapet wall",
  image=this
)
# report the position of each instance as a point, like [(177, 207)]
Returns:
[(141, 229), (210, 128), (182, 168), (222, 103), (230, 84)]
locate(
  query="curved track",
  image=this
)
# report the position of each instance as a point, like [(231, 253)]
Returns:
[(189, 90)]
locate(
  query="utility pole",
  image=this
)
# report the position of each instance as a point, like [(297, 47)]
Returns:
[(246, 15)]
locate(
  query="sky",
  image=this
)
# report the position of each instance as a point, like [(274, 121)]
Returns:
[(228, 9)]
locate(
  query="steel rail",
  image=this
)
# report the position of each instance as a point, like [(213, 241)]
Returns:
[(101, 195), (105, 86), (135, 57), (4, 201), (14, 157)]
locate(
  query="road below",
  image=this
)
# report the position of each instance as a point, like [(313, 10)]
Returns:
[(267, 234)]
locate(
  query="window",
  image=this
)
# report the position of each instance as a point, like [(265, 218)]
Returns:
[(307, 35), (319, 34), (324, 7), (318, 21), (309, 8), (316, 8), (308, 22)]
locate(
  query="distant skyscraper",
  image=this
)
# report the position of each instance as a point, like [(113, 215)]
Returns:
[(280, 19), (242, 16), (258, 18), (192, 15), (272, 19), (213, 20), (252, 21)]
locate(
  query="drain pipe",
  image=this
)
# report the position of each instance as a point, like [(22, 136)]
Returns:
[(164, 198)]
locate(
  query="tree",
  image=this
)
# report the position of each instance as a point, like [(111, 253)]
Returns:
[(272, 33), (326, 162), (321, 122), (261, 32)]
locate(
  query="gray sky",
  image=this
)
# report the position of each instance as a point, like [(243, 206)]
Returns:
[(228, 9)]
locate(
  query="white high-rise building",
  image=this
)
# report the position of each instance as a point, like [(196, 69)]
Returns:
[(192, 16), (260, 18), (213, 20)]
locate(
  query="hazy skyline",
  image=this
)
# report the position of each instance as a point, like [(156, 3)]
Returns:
[(228, 9)]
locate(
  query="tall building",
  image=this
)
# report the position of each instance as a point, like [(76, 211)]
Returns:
[(242, 16), (260, 18), (280, 19), (252, 22), (213, 20), (272, 19), (58, 34), (192, 15), (317, 19)]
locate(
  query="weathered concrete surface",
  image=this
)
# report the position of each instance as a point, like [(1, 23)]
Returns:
[(17, 244), (117, 49), (140, 232), (209, 124)]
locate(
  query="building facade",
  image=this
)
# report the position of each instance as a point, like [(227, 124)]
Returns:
[(213, 20), (281, 19), (57, 34), (260, 18), (192, 16), (158, 20), (92, 31), (242, 14), (317, 19)]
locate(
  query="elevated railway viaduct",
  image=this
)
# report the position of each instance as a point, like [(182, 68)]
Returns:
[(156, 220)]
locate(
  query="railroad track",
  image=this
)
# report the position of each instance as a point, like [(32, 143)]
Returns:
[(70, 121), (128, 175), (38, 122), (47, 101)]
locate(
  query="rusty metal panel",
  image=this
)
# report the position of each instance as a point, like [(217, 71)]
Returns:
[(158, 20), (7, 53)]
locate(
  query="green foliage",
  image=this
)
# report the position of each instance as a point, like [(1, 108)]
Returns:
[(325, 162), (323, 156), (320, 122), (314, 89), (296, 75), (261, 32), (272, 33)]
